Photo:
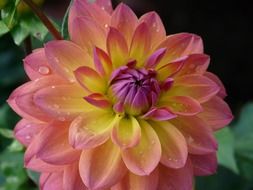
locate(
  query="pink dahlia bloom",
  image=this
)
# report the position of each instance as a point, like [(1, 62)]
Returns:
[(120, 106)]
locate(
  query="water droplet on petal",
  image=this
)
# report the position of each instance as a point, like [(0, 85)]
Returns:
[(56, 106), (56, 60), (53, 87), (28, 137), (44, 70), (106, 25), (103, 8)]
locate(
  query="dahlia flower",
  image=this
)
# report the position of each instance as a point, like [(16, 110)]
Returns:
[(119, 106)]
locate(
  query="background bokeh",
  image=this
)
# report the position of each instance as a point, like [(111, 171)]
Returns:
[(225, 27)]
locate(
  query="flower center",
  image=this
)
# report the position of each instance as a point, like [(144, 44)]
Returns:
[(134, 90)]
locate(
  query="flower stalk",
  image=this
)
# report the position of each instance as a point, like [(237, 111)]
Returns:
[(44, 19)]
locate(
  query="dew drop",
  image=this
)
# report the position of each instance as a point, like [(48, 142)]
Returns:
[(106, 25), (53, 87), (56, 60), (157, 30), (154, 25), (103, 8), (44, 70), (28, 137)]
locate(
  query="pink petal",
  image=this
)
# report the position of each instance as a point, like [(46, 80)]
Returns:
[(158, 32), (25, 131), (124, 19), (137, 182), (72, 179), (21, 99), (143, 158), (36, 65), (105, 5), (176, 179), (171, 68), (117, 48), (126, 133), (181, 105), (102, 61), (179, 45), (53, 146), (65, 57), (204, 164), (155, 58), (198, 87), (195, 64), (217, 113), (198, 135), (63, 102), (51, 181), (91, 129), (102, 167), (140, 45), (222, 93), (174, 147), (159, 114), (93, 11), (88, 34), (98, 100)]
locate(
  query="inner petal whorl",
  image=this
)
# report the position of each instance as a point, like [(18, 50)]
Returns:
[(134, 90)]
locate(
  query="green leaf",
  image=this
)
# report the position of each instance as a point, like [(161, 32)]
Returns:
[(3, 28), (34, 26), (6, 133), (9, 13), (64, 26), (34, 176), (19, 33), (11, 168), (243, 131), (226, 154), (15, 146)]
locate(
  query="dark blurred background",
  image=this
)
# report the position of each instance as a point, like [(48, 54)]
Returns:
[(225, 27)]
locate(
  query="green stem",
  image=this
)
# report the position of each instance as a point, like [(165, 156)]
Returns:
[(28, 45), (51, 28)]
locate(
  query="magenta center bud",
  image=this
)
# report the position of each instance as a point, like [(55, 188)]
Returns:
[(134, 90)]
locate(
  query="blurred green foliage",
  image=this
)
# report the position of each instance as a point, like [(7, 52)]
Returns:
[(235, 154)]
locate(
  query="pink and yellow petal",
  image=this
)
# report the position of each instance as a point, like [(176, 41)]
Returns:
[(86, 9), (196, 86), (126, 133), (91, 129), (198, 135), (222, 93), (194, 64), (62, 102), (179, 45), (158, 33), (88, 34), (140, 45), (124, 19), (90, 80), (53, 146), (117, 48), (216, 114), (25, 131), (143, 158), (136, 182), (36, 65), (181, 105), (98, 100), (65, 57), (50, 181), (102, 167), (72, 179), (103, 63), (174, 147)]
